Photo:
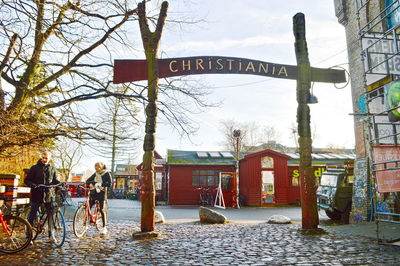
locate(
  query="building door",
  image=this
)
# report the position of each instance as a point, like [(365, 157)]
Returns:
[(267, 187), (226, 185)]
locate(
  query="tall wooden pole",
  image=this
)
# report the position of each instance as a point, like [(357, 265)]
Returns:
[(151, 41), (307, 179)]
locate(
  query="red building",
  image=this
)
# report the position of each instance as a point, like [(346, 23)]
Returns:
[(190, 171), (265, 178)]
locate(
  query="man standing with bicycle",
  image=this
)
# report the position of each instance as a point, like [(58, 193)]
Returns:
[(42, 173)]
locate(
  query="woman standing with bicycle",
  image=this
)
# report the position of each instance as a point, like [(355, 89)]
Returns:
[(98, 184), (42, 173)]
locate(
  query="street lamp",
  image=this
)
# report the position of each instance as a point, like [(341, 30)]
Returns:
[(236, 135)]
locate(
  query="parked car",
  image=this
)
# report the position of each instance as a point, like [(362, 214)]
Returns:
[(334, 194)]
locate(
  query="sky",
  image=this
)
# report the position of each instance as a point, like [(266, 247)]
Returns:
[(262, 30)]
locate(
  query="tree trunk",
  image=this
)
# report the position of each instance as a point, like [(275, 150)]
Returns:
[(114, 142), (307, 180)]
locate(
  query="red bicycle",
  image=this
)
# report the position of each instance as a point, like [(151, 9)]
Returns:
[(15, 233), (83, 216)]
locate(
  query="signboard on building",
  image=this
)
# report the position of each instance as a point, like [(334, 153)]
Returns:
[(387, 174), (76, 179), (380, 57)]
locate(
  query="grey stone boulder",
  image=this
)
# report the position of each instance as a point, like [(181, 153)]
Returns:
[(210, 216), (159, 217), (279, 219)]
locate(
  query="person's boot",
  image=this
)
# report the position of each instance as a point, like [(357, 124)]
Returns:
[(103, 231)]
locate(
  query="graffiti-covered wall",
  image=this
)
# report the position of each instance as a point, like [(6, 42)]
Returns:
[(361, 207)]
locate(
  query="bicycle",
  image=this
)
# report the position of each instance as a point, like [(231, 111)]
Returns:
[(83, 216), (55, 223), (16, 233), (206, 196), (202, 196)]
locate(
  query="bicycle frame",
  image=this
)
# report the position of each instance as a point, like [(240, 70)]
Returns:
[(44, 216), (4, 223), (93, 217)]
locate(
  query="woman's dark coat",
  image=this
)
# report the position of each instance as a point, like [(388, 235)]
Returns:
[(106, 180)]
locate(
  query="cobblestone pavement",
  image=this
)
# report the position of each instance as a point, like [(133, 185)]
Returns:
[(193, 243)]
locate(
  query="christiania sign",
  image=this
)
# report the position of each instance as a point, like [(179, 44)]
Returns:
[(135, 70)]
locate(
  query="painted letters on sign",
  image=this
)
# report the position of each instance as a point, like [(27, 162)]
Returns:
[(387, 176), (201, 65), (135, 70)]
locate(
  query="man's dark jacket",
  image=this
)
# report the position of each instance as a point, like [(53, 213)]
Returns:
[(41, 174)]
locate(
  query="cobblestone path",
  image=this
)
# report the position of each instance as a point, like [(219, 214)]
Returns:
[(197, 244)]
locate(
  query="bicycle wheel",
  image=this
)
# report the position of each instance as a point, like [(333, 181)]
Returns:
[(100, 222), (21, 234), (58, 228), (81, 221)]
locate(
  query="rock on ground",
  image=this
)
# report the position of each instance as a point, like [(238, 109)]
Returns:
[(159, 217), (279, 219), (210, 216)]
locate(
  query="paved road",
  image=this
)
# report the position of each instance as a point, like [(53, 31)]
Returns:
[(130, 211)]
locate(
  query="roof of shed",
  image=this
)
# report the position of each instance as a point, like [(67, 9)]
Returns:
[(178, 157), (201, 157)]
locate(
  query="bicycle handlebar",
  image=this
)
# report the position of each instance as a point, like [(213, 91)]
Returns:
[(86, 188), (48, 186)]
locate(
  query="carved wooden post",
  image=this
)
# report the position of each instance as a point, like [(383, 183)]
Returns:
[(307, 179), (151, 41)]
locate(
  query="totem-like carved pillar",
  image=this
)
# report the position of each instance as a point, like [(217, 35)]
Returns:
[(307, 180), (151, 41)]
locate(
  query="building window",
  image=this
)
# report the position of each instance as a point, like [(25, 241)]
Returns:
[(158, 181), (210, 180), (267, 162), (295, 181), (195, 180), (205, 178)]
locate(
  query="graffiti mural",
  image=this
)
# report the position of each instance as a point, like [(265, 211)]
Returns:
[(361, 201), (381, 206)]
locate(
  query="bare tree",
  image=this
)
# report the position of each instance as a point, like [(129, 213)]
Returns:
[(66, 155), (119, 118), (253, 138), (294, 134), (334, 148), (56, 54), (227, 128), (269, 136)]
